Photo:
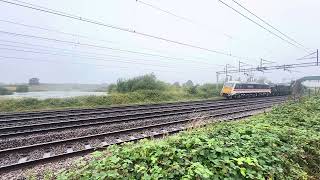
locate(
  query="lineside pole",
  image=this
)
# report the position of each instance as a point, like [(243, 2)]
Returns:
[(317, 57), (217, 86)]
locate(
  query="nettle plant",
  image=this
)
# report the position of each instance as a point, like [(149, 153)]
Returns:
[(283, 144)]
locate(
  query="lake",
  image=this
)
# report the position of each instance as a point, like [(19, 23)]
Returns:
[(53, 94)]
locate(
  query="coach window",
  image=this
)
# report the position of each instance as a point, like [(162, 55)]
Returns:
[(238, 86)]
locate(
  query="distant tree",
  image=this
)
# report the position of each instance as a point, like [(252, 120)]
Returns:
[(176, 84), (189, 83), (22, 88), (112, 88), (145, 82), (192, 89), (34, 81)]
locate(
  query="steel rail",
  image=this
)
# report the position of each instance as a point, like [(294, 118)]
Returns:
[(64, 113), (120, 108), (93, 112), (3, 122), (97, 136), (29, 129)]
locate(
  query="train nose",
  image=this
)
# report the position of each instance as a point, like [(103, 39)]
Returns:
[(226, 90)]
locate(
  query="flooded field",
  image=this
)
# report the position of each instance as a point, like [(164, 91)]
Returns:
[(52, 94)]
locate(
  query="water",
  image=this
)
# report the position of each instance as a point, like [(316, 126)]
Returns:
[(52, 94)]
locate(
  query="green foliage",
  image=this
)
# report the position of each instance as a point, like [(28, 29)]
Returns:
[(137, 97), (145, 82), (138, 90), (5, 91), (283, 144), (150, 82), (208, 90), (22, 88)]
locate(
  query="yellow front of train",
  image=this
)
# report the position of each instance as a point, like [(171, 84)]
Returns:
[(227, 89)]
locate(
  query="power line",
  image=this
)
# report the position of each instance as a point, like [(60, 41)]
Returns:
[(269, 68), (268, 24), (85, 44), (98, 65), (100, 54), (114, 59), (167, 12), (259, 25), (66, 33), (306, 56), (53, 30), (177, 16), (59, 13)]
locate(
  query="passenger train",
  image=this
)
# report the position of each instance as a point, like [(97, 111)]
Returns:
[(235, 89)]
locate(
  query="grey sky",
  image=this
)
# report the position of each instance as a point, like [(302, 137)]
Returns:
[(63, 62)]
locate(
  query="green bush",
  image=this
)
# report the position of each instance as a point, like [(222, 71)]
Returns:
[(22, 88), (145, 82), (208, 90), (5, 91), (138, 90), (283, 144)]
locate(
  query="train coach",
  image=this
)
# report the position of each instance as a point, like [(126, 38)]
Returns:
[(234, 90)]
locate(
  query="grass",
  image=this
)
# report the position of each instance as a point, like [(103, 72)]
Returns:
[(144, 89), (137, 97), (282, 144)]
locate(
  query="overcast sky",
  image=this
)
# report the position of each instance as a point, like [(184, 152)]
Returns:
[(209, 24)]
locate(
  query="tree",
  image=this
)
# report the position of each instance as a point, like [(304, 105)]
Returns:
[(176, 84), (189, 83), (34, 81), (145, 82)]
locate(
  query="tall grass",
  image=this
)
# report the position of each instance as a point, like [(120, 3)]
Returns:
[(138, 90)]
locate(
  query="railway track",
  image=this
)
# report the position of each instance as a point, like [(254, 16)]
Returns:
[(32, 154), (12, 131), (76, 112)]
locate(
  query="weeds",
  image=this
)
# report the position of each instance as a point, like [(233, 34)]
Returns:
[(283, 144)]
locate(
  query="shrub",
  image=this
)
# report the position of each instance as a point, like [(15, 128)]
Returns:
[(145, 82), (22, 88), (5, 91), (283, 144)]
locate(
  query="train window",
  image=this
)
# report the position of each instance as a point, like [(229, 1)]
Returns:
[(250, 86), (238, 86), (228, 84)]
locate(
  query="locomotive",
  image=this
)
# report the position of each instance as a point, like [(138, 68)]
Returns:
[(235, 90)]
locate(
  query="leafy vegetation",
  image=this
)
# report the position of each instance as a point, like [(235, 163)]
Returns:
[(138, 90), (5, 91), (22, 88), (282, 144), (149, 82), (145, 82)]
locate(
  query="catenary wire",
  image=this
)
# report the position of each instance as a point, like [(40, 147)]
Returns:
[(121, 60), (98, 65), (268, 24), (98, 54), (178, 16), (261, 26), (73, 34), (81, 44), (58, 13)]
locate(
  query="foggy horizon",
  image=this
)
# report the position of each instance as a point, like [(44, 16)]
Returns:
[(209, 25)]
